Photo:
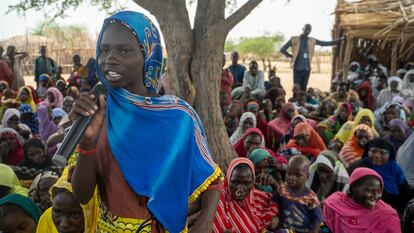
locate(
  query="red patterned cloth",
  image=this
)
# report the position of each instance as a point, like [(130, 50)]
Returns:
[(251, 215)]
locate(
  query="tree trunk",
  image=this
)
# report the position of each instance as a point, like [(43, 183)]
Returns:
[(264, 64), (195, 60)]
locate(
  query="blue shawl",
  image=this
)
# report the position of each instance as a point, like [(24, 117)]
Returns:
[(158, 142)]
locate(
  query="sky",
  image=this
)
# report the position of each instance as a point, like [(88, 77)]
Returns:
[(270, 16)]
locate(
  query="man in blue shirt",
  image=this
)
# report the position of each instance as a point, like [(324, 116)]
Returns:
[(236, 70), (303, 48)]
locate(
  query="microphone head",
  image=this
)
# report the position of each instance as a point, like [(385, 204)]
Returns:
[(99, 89), (59, 160)]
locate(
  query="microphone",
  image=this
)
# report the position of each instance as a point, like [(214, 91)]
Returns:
[(76, 132)]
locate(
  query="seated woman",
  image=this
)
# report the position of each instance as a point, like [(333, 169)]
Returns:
[(242, 208), (405, 158), (36, 160), (354, 148), (247, 120), (364, 116), (26, 97), (289, 135), (9, 183), (361, 208), (39, 190), (407, 221), (253, 139), (379, 155), (280, 125), (11, 119), (11, 150), (18, 214), (364, 90), (328, 128), (306, 140), (327, 175), (264, 165), (354, 101), (47, 126), (254, 108), (58, 114), (384, 115), (66, 214), (399, 132), (54, 98), (29, 118)]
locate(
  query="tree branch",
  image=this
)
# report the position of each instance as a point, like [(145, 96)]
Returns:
[(147, 4), (240, 14)]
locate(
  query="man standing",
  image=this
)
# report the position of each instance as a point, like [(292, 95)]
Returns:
[(44, 65), (302, 51), (16, 60), (236, 70)]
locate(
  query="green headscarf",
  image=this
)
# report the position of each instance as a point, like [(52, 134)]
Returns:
[(25, 203), (256, 156)]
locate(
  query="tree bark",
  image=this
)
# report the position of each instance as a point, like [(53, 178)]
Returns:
[(195, 60)]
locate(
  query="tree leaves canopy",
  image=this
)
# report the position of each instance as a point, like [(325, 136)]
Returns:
[(261, 47)]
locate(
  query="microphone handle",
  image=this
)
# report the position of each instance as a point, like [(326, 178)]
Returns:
[(71, 140)]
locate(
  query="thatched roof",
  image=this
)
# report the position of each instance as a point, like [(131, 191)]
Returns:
[(381, 27), (377, 19)]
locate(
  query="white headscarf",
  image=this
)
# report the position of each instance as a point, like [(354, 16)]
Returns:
[(407, 86), (14, 112), (396, 79), (8, 114), (341, 175), (235, 137)]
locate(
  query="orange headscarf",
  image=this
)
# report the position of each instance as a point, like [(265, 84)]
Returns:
[(315, 142), (352, 151)]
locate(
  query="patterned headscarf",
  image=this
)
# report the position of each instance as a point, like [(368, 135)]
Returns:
[(238, 134), (149, 38)]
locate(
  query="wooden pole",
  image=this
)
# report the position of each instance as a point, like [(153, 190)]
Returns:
[(394, 57), (347, 57)]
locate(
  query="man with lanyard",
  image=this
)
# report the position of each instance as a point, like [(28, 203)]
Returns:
[(303, 48)]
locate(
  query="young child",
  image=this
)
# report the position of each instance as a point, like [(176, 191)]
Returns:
[(299, 206)]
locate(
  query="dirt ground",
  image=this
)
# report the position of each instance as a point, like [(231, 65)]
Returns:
[(317, 80)]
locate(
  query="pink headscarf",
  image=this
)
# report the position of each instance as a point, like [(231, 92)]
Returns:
[(342, 214), (281, 124), (58, 97)]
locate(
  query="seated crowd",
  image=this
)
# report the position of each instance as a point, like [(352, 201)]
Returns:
[(318, 162), (331, 162)]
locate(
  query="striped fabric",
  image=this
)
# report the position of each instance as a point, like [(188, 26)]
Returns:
[(252, 215)]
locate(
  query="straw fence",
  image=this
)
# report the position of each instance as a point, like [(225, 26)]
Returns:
[(59, 50)]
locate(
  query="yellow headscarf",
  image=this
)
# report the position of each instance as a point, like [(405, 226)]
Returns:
[(346, 130), (9, 179), (30, 100), (90, 210)]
